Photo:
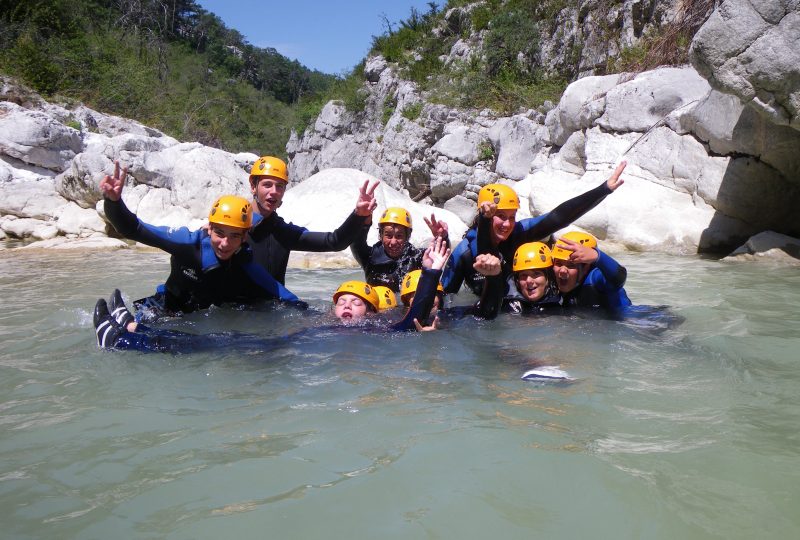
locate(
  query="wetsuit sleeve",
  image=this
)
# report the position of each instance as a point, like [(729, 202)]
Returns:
[(534, 229), (485, 236), (453, 275), (359, 248), (492, 298), (181, 241), (332, 241), (614, 273), (423, 300), (264, 279)]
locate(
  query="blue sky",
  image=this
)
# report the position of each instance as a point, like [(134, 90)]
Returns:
[(331, 36)]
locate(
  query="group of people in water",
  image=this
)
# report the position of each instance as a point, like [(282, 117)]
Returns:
[(241, 256)]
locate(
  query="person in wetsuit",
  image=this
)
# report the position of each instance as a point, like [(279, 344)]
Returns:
[(393, 256), (530, 289), (587, 277), (273, 239), (209, 266), (354, 304), (498, 232)]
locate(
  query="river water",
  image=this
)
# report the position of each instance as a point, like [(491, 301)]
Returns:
[(693, 432)]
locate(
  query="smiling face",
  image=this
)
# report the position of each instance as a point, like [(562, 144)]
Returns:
[(225, 240), (394, 238), (568, 274), (532, 284), (503, 225), (268, 193), (349, 307)]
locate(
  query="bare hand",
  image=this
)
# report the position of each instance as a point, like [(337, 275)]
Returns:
[(434, 325), (487, 265), (580, 252), (111, 186), (438, 228), (614, 181), (435, 257), (366, 202), (488, 209)]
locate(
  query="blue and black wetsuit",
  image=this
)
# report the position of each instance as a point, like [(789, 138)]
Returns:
[(170, 341), (459, 268), (272, 239), (601, 288), (198, 279)]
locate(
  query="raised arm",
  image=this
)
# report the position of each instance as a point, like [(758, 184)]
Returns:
[(174, 241), (347, 231), (568, 211)]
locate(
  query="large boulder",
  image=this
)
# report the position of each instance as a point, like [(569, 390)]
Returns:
[(638, 104), (323, 202), (35, 138), (748, 48), (769, 246)]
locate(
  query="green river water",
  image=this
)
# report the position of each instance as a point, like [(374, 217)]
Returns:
[(689, 433)]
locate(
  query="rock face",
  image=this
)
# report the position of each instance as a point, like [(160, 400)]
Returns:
[(748, 48), (711, 149), (50, 173), (691, 178)]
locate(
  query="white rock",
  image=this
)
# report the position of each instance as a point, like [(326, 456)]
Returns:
[(62, 242), (35, 138), (76, 220), (517, 140), (460, 143), (323, 202), (579, 106), (28, 228)]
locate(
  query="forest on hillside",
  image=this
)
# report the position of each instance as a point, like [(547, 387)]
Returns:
[(169, 64)]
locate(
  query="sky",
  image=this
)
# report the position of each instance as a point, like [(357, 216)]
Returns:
[(328, 35)]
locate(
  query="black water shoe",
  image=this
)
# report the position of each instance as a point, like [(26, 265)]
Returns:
[(105, 327), (116, 306)]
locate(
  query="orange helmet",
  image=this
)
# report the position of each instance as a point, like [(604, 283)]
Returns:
[(396, 216), (576, 236), (269, 166), (232, 210), (500, 194), (386, 297), (532, 255), (409, 285), (361, 289)]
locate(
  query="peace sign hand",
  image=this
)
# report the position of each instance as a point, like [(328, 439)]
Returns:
[(366, 202), (111, 186)]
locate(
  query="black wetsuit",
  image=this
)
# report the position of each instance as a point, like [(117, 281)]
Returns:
[(272, 239), (198, 279), (379, 268), (171, 341), (459, 269)]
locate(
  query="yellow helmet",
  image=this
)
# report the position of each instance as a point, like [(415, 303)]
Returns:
[(531, 256), (231, 210), (409, 285), (576, 236), (269, 166), (397, 216), (361, 289), (386, 297), (503, 196)]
